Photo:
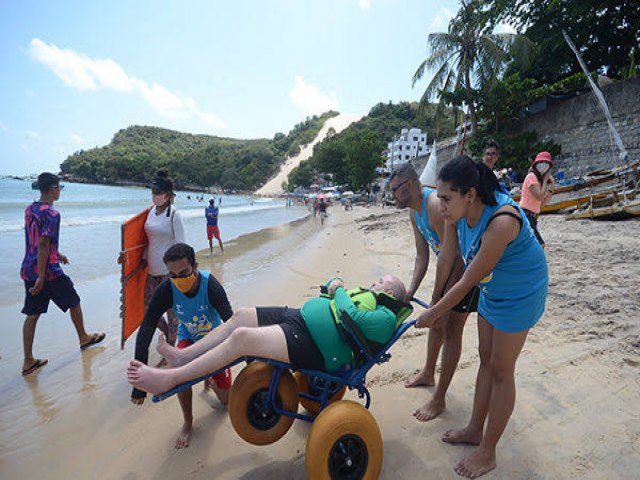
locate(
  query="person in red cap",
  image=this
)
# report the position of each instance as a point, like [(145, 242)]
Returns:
[(537, 189)]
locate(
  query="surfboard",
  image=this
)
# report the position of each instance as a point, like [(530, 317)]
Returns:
[(134, 275)]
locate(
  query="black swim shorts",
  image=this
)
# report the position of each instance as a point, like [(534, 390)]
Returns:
[(303, 352), (60, 290), (469, 303)]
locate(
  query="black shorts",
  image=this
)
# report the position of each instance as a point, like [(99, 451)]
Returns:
[(60, 290), (533, 221), (303, 351), (469, 303)]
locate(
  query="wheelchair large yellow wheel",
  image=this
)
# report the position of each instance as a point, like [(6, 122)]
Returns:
[(253, 419), (305, 385), (344, 443)]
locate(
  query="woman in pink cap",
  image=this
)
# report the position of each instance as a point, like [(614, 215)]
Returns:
[(537, 189)]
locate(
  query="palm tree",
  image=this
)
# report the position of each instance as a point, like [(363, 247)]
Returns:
[(468, 58)]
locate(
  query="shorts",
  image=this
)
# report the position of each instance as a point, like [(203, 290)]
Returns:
[(469, 303), (303, 351), (533, 221), (213, 231), (60, 290), (222, 379)]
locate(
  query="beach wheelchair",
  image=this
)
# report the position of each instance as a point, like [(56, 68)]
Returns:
[(344, 441)]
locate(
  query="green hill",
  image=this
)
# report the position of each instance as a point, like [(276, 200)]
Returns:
[(136, 152)]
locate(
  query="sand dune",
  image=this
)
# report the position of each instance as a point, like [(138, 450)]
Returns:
[(274, 186)]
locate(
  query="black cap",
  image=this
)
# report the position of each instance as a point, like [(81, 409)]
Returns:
[(46, 181)]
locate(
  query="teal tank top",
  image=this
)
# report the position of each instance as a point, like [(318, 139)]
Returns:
[(513, 295), (197, 316), (422, 222)]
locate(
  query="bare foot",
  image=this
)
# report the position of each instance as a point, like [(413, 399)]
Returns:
[(149, 379), (420, 379), (169, 353), (184, 437), (463, 435), (476, 464), (430, 410)]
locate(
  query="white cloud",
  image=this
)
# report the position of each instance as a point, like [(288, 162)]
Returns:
[(77, 139), (24, 147), (84, 73), (310, 99), (441, 20), (4, 127), (364, 4), (33, 134)]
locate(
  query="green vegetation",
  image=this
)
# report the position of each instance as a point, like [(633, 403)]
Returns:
[(351, 156), (136, 152)]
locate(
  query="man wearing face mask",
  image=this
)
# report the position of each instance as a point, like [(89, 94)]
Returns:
[(200, 304), (537, 189), (163, 228)]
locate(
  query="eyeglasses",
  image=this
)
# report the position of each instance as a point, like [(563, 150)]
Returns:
[(397, 187), (184, 275)]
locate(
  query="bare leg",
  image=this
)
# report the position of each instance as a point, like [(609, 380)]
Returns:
[(221, 247), (426, 376), (244, 317), (505, 351), (472, 433), (268, 342), (184, 436), (78, 323), (450, 357), (211, 246), (28, 334)]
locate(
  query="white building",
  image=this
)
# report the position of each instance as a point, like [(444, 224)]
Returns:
[(410, 144)]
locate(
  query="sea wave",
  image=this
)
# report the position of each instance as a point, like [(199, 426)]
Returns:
[(185, 213)]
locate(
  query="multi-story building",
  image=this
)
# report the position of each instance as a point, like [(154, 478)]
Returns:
[(410, 144)]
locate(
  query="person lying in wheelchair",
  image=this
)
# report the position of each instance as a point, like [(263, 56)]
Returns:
[(311, 338)]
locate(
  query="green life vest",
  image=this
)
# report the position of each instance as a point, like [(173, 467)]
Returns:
[(368, 300)]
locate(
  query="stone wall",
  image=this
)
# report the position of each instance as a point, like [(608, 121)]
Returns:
[(580, 127)]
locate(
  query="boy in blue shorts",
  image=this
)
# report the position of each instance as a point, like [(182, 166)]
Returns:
[(43, 277)]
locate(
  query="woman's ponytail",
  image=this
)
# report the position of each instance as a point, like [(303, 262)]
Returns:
[(487, 185)]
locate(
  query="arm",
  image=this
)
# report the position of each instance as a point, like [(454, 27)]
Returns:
[(498, 235), (218, 299), (161, 301), (178, 229), (446, 260), (43, 256), (378, 325), (549, 183), (422, 260)]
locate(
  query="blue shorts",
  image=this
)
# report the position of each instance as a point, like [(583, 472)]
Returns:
[(60, 290)]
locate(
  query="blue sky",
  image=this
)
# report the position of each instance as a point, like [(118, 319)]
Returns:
[(74, 73)]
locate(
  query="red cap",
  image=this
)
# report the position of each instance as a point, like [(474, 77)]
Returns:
[(543, 157)]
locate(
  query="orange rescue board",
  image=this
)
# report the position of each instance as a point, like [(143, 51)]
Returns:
[(134, 275)]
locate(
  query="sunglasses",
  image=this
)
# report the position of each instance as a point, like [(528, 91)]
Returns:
[(184, 275), (397, 187)]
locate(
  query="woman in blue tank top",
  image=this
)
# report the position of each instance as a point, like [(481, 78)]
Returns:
[(502, 255)]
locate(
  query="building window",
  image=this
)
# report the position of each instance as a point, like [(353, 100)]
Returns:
[(399, 147), (406, 157), (415, 139)]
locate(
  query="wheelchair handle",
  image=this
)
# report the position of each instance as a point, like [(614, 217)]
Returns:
[(419, 302)]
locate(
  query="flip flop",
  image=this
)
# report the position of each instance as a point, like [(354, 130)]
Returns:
[(95, 338), (36, 365)]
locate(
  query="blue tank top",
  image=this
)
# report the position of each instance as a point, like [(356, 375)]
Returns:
[(197, 316), (513, 295), (422, 222)]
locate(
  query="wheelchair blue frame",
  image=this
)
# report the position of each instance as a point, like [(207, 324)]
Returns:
[(325, 385)]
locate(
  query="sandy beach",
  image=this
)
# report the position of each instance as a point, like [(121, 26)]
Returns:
[(576, 415)]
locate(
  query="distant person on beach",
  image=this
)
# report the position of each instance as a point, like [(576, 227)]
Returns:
[(211, 213), (163, 229), (322, 210), (490, 157), (201, 305), (537, 190), (307, 338), (502, 256), (428, 230), (42, 274)]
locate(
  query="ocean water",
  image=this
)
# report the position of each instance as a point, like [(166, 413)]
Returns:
[(91, 220)]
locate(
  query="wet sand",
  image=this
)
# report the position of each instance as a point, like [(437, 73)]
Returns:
[(576, 413)]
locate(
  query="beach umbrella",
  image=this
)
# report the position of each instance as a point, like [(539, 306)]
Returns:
[(321, 195), (428, 176)]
